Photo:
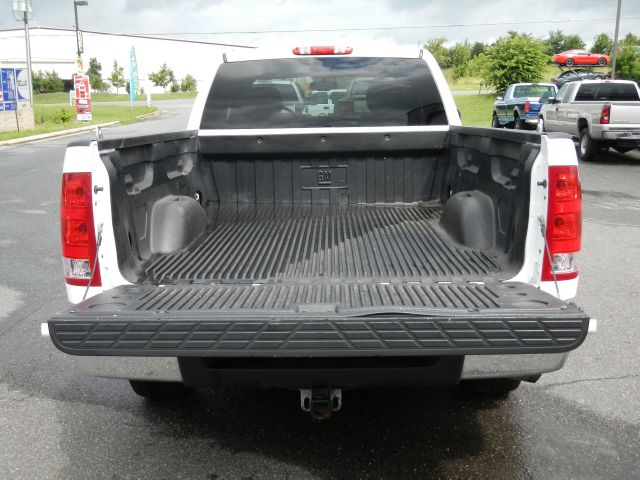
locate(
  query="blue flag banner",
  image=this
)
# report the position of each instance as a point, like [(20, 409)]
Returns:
[(134, 82)]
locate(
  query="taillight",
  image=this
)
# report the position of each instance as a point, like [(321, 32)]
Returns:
[(322, 50), (78, 235), (527, 107), (564, 223), (605, 114)]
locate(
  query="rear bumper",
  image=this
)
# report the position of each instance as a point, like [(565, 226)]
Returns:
[(623, 139), (629, 134), (532, 118), (389, 336), (167, 369), (503, 329)]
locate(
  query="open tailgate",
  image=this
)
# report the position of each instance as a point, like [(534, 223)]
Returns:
[(320, 320)]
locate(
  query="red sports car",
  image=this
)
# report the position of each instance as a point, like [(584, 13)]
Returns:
[(580, 57)]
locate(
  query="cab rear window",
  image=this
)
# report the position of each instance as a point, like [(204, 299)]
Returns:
[(323, 92), (590, 92)]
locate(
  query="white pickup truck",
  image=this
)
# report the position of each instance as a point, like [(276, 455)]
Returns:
[(598, 113), (263, 246)]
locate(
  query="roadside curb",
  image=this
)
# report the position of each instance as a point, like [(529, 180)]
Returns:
[(149, 115), (61, 133)]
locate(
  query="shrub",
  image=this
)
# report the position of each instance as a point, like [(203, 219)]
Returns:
[(61, 116), (628, 63), (512, 59)]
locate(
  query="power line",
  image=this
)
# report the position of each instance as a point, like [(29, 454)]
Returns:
[(399, 27), (130, 35)]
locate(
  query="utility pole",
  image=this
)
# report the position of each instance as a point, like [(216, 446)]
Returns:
[(79, 43), (27, 40), (615, 42), (22, 10)]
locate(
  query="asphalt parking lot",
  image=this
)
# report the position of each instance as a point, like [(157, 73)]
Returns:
[(581, 422)]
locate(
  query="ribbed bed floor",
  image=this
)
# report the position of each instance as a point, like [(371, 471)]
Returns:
[(359, 243)]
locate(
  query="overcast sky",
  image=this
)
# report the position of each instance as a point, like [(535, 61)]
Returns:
[(171, 16), (199, 19)]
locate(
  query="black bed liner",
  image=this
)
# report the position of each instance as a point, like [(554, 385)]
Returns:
[(321, 320), (301, 244)]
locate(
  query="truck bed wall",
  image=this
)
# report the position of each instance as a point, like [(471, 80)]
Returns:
[(335, 168)]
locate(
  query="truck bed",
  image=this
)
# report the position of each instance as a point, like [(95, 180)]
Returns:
[(343, 245), (300, 244)]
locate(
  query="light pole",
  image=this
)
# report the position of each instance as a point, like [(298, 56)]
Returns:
[(615, 42), (76, 4), (22, 11)]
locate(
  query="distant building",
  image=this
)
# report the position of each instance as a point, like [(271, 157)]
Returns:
[(55, 49)]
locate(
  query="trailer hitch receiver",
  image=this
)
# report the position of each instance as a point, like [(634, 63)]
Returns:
[(320, 402)]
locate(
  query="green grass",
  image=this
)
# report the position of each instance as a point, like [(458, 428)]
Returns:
[(475, 109), (63, 97), (171, 96), (44, 115)]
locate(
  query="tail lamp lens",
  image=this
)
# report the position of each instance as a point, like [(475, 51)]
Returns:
[(564, 223), (605, 114), (77, 230)]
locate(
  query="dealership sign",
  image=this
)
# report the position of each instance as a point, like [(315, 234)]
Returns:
[(83, 97), (8, 89)]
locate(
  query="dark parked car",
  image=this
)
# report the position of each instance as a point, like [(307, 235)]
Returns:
[(575, 75), (519, 106)]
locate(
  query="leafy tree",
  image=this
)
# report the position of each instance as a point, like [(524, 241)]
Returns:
[(628, 63), (163, 77), (47, 82), (188, 84), (571, 42), (117, 76), (477, 49), (459, 56), (438, 50), (512, 59), (602, 43), (95, 75), (37, 80), (175, 88), (558, 42), (631, 39), (554, 42)]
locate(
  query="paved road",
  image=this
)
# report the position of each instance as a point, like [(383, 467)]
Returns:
[(582, 422)]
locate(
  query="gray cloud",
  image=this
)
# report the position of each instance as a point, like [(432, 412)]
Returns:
[(158, 16)]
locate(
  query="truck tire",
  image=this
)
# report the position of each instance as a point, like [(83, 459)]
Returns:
[(159, 390), (495, 123), (491, 387), (518, 123), (586, 146)]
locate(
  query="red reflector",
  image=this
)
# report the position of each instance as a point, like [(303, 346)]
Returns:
[(564, 220), (322, 50), (565, 226), (77, 230), (605, 114), (567, 187), (527, 107)]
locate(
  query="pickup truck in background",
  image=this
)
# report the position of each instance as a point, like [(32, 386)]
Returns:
[(519, 106), (267, 247), (598, 113)]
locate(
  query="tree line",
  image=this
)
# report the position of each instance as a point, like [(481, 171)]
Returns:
[(520, 57), (164, 77)]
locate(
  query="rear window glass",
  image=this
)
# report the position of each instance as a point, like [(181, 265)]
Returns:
[(533, 91), (288, 93), (607, 91)]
